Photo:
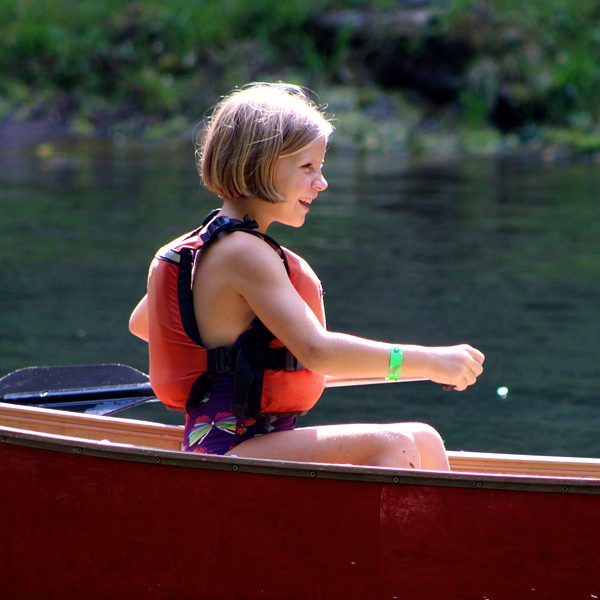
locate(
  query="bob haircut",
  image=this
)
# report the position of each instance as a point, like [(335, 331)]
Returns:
[(249, 130)]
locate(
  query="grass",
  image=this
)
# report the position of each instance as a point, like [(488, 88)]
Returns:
[(152, 68)]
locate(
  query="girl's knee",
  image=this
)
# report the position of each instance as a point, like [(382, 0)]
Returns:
[(431, 447), (425, 431), (412, 445), (426, 434), (396, 447)]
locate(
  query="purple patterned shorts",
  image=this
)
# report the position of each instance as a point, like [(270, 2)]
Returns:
[(211, 428)]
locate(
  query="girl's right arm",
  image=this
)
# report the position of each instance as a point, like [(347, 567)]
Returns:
[(258, 275)]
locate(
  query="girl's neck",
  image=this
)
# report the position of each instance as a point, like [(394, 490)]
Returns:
[(238, 209)]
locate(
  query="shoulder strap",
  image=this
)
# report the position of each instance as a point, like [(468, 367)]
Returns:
[(225, 224), (213, 226)]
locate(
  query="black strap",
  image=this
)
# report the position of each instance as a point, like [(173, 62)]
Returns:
[(184, 295), (249, 361), (245, 397), (220, 224), (214, 226), (224, 359), (248, 372)]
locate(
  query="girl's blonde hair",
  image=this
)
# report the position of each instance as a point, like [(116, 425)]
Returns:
[(249, 130)]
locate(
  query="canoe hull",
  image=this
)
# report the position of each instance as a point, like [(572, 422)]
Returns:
[(93, 521)]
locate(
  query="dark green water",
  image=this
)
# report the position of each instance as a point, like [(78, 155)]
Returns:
[(502, 254)]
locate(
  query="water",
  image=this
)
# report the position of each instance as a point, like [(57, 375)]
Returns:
[(503, 254)]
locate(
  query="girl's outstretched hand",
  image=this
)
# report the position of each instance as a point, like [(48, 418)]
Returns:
[(455, 366)]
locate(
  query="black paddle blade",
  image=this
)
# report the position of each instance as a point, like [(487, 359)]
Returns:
[(39, 379), (96, 389)]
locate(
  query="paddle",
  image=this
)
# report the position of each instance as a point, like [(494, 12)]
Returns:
[(102, 389), (94, 389), (347, 381)]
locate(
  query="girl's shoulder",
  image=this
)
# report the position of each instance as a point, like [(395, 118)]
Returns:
[(242, 249)]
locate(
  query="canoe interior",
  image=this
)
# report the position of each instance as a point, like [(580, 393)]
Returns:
[(169, 437)]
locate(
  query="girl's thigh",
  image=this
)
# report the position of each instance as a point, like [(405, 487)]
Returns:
[(400, 445)]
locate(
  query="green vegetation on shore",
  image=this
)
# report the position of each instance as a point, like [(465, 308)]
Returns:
[(541, 58), (151, 68)]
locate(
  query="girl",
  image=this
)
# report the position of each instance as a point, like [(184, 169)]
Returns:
[(235, 324)]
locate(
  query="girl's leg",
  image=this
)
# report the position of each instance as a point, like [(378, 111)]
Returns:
[(401, 445)]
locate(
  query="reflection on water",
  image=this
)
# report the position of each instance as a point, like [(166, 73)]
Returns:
[(502, 254)]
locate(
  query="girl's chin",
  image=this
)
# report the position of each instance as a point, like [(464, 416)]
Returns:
[(298, 222)]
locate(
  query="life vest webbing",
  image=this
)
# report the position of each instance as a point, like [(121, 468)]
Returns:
[(247, 362)]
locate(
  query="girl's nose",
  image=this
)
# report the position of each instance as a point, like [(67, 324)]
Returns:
[(320, 183)]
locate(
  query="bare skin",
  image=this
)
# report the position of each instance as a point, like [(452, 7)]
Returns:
[(243, 277), (401, 445)]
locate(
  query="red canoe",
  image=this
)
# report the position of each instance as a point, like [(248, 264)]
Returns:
[(105, 508)]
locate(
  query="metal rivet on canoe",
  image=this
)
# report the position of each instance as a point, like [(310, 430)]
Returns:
[(3, 439), (313, 474), (158, 460), (396, 479), (235, 468), (79, 450), (479, 484), (565, 489)]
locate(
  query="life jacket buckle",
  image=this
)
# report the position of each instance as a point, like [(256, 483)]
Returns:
[(218, 225), (225, 358)]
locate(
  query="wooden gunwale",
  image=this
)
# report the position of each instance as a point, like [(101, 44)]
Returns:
[(470, 470), (92, 427)]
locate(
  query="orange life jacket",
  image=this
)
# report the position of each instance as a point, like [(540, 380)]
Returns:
[(267, 377)]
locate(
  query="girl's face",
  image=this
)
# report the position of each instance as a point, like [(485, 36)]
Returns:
[(298, 179)]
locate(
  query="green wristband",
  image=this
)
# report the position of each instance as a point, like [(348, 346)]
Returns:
[(395, 363)]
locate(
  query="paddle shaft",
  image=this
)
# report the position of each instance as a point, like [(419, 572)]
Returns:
[(107, 389), (334, 382)]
